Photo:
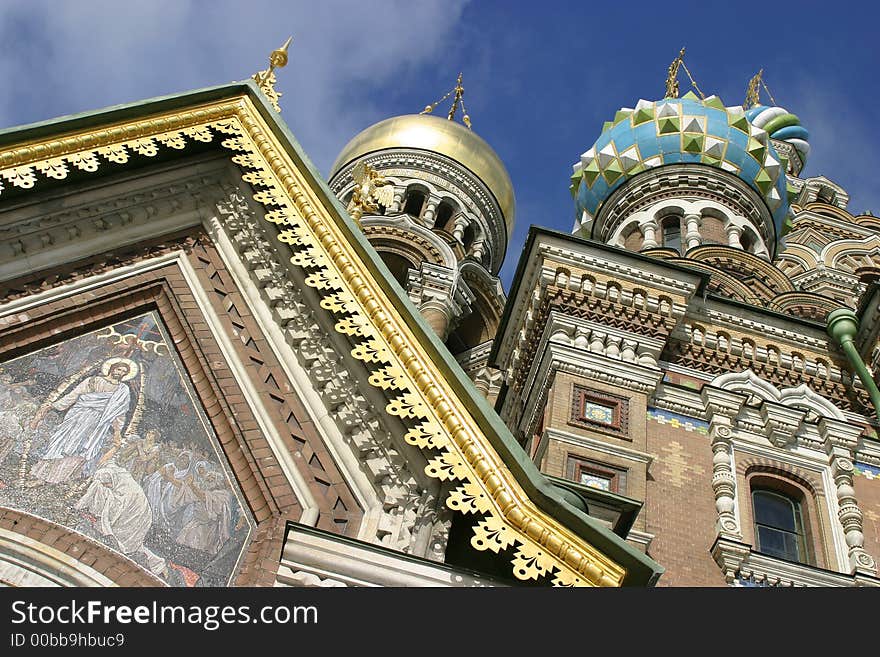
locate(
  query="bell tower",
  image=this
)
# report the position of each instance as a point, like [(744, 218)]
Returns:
[(444, 227)]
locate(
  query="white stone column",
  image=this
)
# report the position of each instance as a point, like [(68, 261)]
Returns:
[(428, 212), (397, 203), (437, 314), (849, 513), (478, 250), (692, 236), (841, 439), (649, 230), (461, 223), (724, 479), (729, 550), (733, 235), (722, 407)]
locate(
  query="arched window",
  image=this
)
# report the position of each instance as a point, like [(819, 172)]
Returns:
[(672, 233), (779, 526), (747, 240), (469, 236), (415, 202), (444, 214)]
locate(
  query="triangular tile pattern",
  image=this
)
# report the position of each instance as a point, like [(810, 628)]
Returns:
[(685, 129)]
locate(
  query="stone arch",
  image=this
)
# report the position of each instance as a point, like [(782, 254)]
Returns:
[(447, 209), (748, 383), (868, 221), (745, 267), (33, 549), (561, 277), (487, 306), (819, 207), (415, 198), (837, 253), (808, 305), (721, 282), (797, 259), (804, 398), (614, 292), (629, 234), (408, 239)]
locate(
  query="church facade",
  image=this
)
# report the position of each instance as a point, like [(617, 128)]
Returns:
[(217, 369)]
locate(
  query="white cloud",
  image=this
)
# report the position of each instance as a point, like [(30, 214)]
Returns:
[(842, 144), (63, 57)]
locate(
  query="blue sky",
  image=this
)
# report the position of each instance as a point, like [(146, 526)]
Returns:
[(540, 78)]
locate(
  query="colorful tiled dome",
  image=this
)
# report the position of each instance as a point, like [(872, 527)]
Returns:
[(680, 130)]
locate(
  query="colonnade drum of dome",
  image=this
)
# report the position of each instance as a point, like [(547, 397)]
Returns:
[(691, 130)]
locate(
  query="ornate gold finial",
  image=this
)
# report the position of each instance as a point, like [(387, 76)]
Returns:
[(370, 191), (266, 79), (753, 92), (458, 90), (672, 77)]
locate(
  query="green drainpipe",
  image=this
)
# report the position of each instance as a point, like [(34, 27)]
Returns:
[(842, 325)]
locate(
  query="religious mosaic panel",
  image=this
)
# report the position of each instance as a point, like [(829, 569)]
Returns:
[(103, 434)]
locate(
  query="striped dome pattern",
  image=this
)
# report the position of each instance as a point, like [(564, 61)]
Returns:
[(782, 125)]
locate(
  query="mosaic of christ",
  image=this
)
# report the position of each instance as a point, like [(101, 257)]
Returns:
[(102, 434)]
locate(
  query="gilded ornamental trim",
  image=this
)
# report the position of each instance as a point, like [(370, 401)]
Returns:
[(419, 393)]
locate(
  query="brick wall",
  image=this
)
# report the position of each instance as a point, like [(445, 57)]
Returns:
[(712, 230), (680, 504), (867, 487)]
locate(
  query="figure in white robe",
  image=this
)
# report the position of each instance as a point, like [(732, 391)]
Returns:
[(209, 519), (95, 407), (169, 492), (122, 514)]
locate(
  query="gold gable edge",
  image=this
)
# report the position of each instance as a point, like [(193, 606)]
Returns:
[(460, 450)]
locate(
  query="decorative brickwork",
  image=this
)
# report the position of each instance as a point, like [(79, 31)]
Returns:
[(675, 465), (867, 489), (680, 506)]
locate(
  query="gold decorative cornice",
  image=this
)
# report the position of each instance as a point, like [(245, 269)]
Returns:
[(419, 393)]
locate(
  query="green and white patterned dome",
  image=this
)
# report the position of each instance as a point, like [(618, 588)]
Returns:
[(674, 131)]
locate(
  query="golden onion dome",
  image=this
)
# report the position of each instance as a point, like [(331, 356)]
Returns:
[(438, 135)]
